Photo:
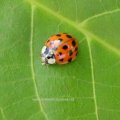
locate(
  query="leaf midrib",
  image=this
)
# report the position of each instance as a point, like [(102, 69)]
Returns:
[(80, 27)]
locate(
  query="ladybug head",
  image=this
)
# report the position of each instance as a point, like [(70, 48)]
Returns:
[(47, 56)]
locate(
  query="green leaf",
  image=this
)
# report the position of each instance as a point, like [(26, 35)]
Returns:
[(86, 89)]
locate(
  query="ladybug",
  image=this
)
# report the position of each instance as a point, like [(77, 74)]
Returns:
[(60, 48)]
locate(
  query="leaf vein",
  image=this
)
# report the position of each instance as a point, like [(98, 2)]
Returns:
[(93, 78), (79, 27), (108, 109), (3, 114), (99, 15), (32, 65)]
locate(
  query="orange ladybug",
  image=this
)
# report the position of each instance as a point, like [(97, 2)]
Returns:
[(60, 48)]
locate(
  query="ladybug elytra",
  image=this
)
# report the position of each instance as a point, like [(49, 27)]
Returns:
[(60, 48)]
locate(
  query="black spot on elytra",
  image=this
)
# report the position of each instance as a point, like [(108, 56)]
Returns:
[(69, 36), (65, 47), (70, 59), (73, 43), (61, 59), (70, 52), (76, 53), (58, 35), (76, 48), (48, 41), (60, 53)]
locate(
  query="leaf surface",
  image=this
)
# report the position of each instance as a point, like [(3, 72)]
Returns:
[(86, 89)]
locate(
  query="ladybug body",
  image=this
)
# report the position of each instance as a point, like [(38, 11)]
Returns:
[(61, 48)]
